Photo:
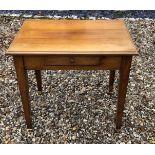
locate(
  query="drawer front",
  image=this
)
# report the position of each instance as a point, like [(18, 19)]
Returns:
[(67, 63), (72, 60)]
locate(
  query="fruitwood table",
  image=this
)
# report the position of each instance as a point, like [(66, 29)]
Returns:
[(72, 45)]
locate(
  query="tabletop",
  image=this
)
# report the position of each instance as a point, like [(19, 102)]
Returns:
[(103, 37)]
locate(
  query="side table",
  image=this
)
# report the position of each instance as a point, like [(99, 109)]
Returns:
[(72, 45)]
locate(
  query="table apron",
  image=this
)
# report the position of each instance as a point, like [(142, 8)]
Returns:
[(72, 62)]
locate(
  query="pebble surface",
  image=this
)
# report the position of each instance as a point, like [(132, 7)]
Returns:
[(74, 106), (82, 13)]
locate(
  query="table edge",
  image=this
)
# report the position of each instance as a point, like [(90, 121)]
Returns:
[(76, 53)]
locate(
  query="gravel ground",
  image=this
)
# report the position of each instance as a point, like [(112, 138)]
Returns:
[(84, 13), (74, 106)]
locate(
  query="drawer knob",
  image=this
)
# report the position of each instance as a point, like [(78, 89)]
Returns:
[(72, 60)]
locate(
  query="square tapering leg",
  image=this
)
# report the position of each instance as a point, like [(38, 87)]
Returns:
[(38, 79), (123, 83), (23, 87)]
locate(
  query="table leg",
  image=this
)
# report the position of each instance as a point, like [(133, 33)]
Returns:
[(124, 77), (38, 78), (23, 87), (111, 80)]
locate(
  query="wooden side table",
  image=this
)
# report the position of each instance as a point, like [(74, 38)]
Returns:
[(72, 45)]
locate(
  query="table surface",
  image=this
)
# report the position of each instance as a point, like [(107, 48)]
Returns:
[(103, 37)]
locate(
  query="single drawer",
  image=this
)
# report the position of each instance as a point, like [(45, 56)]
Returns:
[(72, 60)]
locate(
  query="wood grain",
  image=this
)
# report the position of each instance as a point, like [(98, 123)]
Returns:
[(107, 37)]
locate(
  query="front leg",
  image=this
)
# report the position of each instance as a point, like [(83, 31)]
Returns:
[(124, 77), (23, 87)]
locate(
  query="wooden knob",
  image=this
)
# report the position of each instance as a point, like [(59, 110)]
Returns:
[(72, 60)]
